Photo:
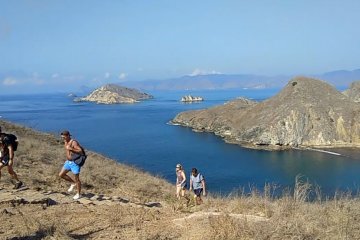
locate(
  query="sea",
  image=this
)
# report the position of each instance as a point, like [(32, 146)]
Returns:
[(140, 135)]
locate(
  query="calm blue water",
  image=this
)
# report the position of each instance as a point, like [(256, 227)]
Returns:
[(138, 134)]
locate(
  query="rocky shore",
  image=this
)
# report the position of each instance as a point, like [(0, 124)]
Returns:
[(306, 113), (121, 202)]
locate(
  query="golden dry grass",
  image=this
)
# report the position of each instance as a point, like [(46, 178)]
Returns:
[(40, 157)]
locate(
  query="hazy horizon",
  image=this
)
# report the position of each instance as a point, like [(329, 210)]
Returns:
[(49, 46)]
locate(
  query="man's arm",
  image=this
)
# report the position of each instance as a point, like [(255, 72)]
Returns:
[(74, 147), (11, 155), (190, 184), (204, 186)]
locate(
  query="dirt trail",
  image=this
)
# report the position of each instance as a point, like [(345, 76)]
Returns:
[(25, 195)]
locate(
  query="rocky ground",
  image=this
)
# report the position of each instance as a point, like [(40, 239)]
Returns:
[(121, 202)]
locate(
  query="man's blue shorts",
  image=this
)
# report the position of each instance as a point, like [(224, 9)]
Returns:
[(71, 166)]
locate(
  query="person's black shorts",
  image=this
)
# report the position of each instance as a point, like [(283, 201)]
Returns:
[(184, 185), (5, 160), (198, 192)]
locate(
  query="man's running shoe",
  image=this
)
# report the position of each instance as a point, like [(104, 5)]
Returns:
[(71, 188), (77, 196)]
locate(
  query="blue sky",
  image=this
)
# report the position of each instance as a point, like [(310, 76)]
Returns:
[(51, 44)]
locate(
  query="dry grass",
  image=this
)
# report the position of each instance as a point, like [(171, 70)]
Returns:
[(291, 216), (40, 157), (299, 214)]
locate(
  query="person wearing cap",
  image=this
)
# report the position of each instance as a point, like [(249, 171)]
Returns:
[(197, 182), (180, 181), (71, 147), (7, 159)]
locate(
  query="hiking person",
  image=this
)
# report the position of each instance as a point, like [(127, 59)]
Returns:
[(180, 181), (197, 182), (7, 158), (72, 148)]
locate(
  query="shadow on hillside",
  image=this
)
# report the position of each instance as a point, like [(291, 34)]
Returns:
[(40, 234)]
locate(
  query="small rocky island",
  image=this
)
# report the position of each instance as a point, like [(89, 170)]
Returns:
[(113, 94), (306, 113), (190, 98)]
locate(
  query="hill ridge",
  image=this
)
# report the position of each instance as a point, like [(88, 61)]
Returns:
[(306, 112)]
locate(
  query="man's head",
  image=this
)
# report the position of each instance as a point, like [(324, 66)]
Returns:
[(65, 135), (194, 171)]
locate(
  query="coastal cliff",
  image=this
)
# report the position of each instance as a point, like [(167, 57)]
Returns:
[(113, 94), (306, 113)]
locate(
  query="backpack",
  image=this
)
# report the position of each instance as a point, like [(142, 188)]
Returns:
[(78, 158), (11, 139)]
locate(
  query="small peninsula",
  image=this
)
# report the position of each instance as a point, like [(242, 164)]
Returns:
[(306, 113), (114, 94)]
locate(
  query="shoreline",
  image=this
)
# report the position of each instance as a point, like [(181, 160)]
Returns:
[(143, 206)]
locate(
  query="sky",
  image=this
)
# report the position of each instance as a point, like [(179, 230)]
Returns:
[(58, 44)]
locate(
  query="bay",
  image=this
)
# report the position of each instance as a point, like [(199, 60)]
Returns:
[(139, 135)]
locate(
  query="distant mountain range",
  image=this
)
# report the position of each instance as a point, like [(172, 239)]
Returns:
[(340, 79), (25, 82)]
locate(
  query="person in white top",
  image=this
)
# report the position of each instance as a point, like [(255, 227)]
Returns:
[(197, 182)]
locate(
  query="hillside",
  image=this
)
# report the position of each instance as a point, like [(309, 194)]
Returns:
[(112, 94), (305, 113), (121, 202), (353, 92)]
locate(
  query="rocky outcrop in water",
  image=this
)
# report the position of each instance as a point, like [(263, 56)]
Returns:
[(112, 94), (190, 98), (306, 113)]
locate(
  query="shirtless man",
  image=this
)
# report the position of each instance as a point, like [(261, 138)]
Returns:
[(71, 147)]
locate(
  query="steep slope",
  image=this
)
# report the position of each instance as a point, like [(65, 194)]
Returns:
[(111, 94), (307, 112)]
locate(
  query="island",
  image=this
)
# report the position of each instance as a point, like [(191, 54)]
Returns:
[(114, 94), (306, 113), (190, 98)]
